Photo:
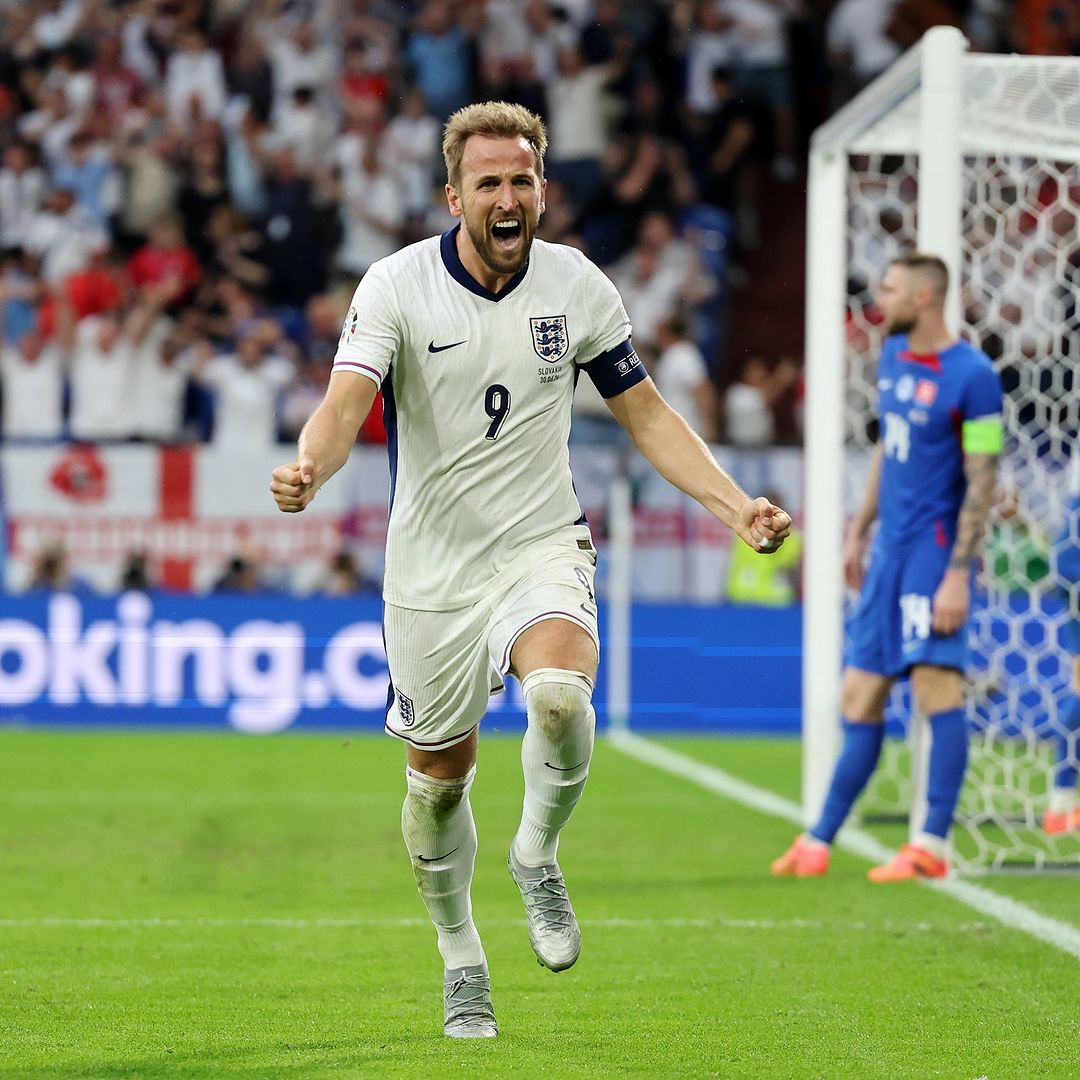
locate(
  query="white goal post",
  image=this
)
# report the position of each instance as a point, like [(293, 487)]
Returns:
[(975, 158)]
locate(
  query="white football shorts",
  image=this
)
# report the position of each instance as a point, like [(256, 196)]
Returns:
[(445, 664)]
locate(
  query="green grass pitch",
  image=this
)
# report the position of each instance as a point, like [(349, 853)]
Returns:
[(215, 906)]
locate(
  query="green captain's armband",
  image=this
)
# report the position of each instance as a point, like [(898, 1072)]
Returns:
[(984, 436)]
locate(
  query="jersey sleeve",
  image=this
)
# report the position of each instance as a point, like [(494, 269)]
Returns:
[(983, 429), (371, 334), (607, 353)]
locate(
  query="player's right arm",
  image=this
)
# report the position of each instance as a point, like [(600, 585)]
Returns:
[(325, 441), (859, 529)]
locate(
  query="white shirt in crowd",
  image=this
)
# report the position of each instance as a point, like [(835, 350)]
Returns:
[(20, 196), (199, 74), (159, 388), (857, 28), (33, 393), (64, 242), (246, 399), (409, 149), (380, 195), (748, 419), (579, 115), (100, 381), (480, 387), (680, 372), (54, 29), (759, 38)]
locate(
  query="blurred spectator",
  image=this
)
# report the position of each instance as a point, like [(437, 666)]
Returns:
[(250, 79), (157, 397), (439, 54), (135, 573), (86, 168), (22, 186), (194, 82), (150, 156), (709, 43), (372, 215), (723, 142), (323, 318), (56, 23), (580, 121), (749, 420), (117, 89), (298, 58), (164, 257), (204, 191), (104, 353), (759, 66), (295, 234), (411, 150), (20, 290), (31, 382), (344, 577), (65, 237), (302, 127), (1017, 554), (683, 378), (860, 47), (241, 575), (52, 570), (246, 385), (50, 125)]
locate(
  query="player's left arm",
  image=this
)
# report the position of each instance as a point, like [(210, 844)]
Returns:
[(670, 445), (982, 439)]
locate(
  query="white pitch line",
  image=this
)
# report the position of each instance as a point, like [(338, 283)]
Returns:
[(1011, 913)]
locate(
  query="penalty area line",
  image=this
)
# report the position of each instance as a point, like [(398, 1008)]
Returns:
[(1008, 912)]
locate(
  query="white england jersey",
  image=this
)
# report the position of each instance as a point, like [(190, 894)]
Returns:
[(477, 393)]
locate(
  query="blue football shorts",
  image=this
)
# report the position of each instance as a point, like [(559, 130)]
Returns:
[(1067, 569), (891, 629)]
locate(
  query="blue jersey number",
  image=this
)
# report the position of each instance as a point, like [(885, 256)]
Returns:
[(497, 406)]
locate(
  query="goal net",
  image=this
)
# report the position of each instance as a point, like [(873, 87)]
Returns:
[(975, 158)]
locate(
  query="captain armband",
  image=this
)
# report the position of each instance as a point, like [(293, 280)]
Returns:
[(616, 370), (983, 435)]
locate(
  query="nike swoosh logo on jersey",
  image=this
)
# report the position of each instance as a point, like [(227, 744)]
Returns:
[(432, 347)]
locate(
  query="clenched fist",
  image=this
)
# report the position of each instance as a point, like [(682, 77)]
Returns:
[(293, 486), (762, 525)]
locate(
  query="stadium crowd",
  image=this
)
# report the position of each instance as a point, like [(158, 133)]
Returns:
[(189, 190)]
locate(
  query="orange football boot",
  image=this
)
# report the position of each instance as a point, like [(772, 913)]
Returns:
[(908, 864), (1055, 823), (802, 860)]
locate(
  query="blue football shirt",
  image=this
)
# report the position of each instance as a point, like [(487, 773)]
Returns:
[(923, 402)]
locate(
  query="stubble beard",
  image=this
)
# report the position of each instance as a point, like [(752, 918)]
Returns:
[(901, 325)]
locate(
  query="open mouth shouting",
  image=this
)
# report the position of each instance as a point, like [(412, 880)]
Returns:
[(507, 235)]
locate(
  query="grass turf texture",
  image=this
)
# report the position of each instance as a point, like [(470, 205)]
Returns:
[(718, 970)]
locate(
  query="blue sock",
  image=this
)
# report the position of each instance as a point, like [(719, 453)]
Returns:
[(858, 759), (1065, 773), (948, 763)]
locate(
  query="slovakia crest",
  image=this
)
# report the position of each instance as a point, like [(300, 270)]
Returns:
[(550, 339)]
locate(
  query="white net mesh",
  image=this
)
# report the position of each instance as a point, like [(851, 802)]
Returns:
[(1020, 289)]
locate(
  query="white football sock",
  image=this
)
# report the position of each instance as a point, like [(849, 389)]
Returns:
[(938, 846), (1063, 800), (437, 824), (555, 755)]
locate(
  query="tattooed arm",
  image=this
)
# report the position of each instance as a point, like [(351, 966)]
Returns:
[(952, 597)]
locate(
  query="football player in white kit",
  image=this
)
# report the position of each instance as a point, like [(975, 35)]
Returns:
[(476, 339)]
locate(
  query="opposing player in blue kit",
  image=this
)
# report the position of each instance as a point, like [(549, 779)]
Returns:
[(477, 339), (931, 485), (1063, 812)]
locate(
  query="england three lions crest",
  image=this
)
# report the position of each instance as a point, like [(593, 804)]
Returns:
[(550, 339)]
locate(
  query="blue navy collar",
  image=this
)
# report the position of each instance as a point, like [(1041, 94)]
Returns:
[(456, 269)]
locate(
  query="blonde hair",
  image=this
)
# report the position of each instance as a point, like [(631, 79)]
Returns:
[(497, 120)]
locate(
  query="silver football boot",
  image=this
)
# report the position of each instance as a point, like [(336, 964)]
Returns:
[(467, 1011), (553, 927)]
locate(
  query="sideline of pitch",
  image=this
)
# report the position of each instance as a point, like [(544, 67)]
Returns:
[(1011, 913)]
